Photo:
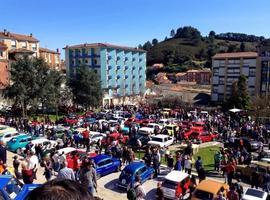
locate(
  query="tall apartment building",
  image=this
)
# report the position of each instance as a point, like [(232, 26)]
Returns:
[(51, 57), (226, 69), (265, 73), (121, 69)]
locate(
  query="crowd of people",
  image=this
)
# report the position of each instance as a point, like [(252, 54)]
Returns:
[(83, 171)]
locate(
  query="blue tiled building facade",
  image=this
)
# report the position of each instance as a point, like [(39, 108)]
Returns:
[(122, 70)]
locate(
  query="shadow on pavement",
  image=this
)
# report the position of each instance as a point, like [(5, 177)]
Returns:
[(151, 194), (112, 185)]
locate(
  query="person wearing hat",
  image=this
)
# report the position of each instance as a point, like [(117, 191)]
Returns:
[(3, 153)]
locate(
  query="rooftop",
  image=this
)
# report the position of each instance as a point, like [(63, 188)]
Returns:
[(105, 45), (235, 55), (21, 50), (16, 36), (176, 176), (41, 49)]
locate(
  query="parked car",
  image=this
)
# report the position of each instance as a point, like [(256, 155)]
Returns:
[(146, 131), (47, 145), (127, 176), (245, 171), (11, 188), (250, 144), (139, 141), (203, 137), (118, 137), (208, 189), (254, 194), (171, 129), (106, 164), (5, 129), (171, 181), (16, 144), (96, 136), (161, 140), (8, 136)]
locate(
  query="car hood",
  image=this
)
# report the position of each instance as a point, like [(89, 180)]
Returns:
[(26, 189)]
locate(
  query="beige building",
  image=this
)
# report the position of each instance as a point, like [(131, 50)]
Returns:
[(18, 44), (51, 57), (226, 69)]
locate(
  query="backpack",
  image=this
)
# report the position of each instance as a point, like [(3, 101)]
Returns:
[(131, 194)]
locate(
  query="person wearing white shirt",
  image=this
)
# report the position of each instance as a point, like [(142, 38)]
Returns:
[(33, 161), (188, 165)]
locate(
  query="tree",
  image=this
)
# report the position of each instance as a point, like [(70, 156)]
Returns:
[(172, 34), (212, 34), (154, 41), (32, 84), (242, 47), (188, 32), (140, 46), (239, 94), (86, 88), (166, 38), (147, 46)]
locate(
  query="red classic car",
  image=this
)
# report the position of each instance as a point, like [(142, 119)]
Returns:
[(203, 136), (129, 121), (115, 136)]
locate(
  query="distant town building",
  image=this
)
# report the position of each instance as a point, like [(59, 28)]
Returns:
[(158, 65), (226, 69), (19, 45), (4, 73), (201, 76), (181, 76), (265, 73), (161, 78), (51, 57), (121, 69)]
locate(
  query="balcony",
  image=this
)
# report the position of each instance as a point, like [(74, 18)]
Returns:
[(133, 68), (126, 86), (118, 67), (109, 67), (126, 76), (109, 77), (126, 67), (133, 77), (140, 68), (118, 76)]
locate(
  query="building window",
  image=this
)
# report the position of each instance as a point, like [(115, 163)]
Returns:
[(79, 62), (86, 61), (23, 45), (95, 71), (1, 54), (95, 61), (13, 43), (252, 72), (72, 62)]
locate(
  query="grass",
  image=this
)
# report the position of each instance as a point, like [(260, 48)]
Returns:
[(207, 155)]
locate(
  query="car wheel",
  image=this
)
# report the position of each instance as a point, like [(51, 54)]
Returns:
[(19, 151)]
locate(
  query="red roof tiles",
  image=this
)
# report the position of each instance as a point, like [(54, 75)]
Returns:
[(47, 50), (19, 37), (235, 55)]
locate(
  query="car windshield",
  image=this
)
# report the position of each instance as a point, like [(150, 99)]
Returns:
[(255, 193), (155, 139), (169, 184), (203, 195), (127, 173), (13, 188), (13, 140)]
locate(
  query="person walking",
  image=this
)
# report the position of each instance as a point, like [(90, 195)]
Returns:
[(156, 162), (47, 164), (3, 153), (88, 177), (159, 192), (66, 173), (140, 192), (188, 165), (198, 164)]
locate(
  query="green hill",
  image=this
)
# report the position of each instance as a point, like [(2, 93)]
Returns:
[(193, 52)]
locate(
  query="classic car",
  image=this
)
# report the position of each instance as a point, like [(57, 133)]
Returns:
[(208, 189), (106, 164), (127, 176), (16, 144), (161, 140), (11, 188)]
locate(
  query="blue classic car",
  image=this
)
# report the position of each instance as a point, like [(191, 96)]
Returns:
[(11, 188), (19, 142), (106, 164), (128, 174)]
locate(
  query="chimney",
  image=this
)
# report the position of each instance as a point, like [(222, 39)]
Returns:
[(31, 35), (57, 50), (5, 31)]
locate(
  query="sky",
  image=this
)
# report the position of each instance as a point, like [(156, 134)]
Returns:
[(57, 23)]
